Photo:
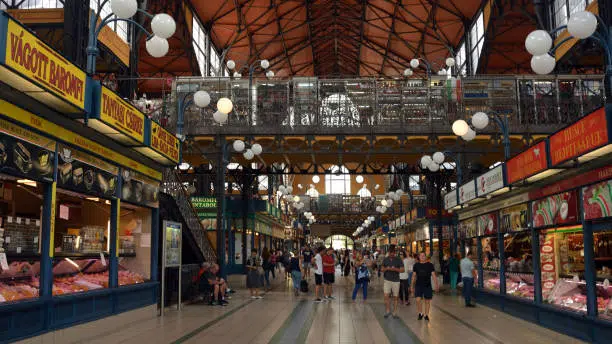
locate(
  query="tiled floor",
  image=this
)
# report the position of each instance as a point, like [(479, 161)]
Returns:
[(282, 317)]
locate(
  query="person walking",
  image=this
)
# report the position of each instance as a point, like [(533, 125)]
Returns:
[(362, 277), (296, 271), (318, 259), (406, 277), (253, 265), (329, 270), (468, 273), (453, 268), (391, 267), (423, 273), (267, 266), (307, 255)]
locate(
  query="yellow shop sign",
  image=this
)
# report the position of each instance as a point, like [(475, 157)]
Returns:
[(120, 120)]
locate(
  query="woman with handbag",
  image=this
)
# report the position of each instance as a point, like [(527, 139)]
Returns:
[(254, 274)]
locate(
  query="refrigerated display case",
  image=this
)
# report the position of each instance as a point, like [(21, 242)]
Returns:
[(519, 264), (490, 263)]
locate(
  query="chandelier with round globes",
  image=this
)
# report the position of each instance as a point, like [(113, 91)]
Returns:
[(433, 162), (202, 99), (415, 63), (479, 121), (249, 153), (263, 64), (581, 25)]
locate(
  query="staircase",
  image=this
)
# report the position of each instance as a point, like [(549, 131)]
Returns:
[(172, 186)]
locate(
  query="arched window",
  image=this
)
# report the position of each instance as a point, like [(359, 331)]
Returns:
[(338, 182), (339, 241)]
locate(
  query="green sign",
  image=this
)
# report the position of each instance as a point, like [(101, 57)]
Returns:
[(204, 202)]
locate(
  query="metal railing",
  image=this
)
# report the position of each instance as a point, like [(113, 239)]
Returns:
[(535, 104), (172, 186)]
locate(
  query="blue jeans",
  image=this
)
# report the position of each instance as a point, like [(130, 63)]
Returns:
[(296, 276), (267, 275), (468, 285), (361, 284)]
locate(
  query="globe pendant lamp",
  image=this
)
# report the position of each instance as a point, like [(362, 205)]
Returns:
[(157, 46), (238, 145), (163, 25), (225, 105), (543, 64), (201, 99), (480, 120), (124, 9), (460, 127)]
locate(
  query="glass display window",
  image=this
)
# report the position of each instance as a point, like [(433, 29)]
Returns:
[(81, 245), (602, 247), (518, 264), (562, 265), (134, 244), (21, 202), (490, 263)]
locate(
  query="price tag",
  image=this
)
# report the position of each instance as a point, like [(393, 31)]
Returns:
[(37, 223), (9, 219), (18, 220), (35, 240), (3, 262), (7, 239), (18, 250), (606, 283), (102, 259), (27, 222)]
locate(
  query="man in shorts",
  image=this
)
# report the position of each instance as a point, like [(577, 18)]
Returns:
[(391, 268), (318, 273), (423, 273), (307, 254), (329, 270)]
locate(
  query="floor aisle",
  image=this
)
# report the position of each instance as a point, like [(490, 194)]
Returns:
[(282, 317)]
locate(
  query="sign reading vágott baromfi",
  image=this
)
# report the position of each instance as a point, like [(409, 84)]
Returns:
[(29, 56)]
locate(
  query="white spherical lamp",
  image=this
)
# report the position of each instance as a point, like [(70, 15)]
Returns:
[(124, 9), (460, 127), (399, 192), (269, 74), (433, 167), (414, 63), (450, 62), (282, 189), (383, 202), (231, 64), (289, 188), (378, 209), (425, 160), (442, 72), (538, 42), (316, 179), (582, 24), (265, 64), (225, 105), (389, 202), (256, 148), (248, 154), (438, 157), (237, 75), (163, 25), (480, 120), (408, 72), (296, 198), (469, 136), (157, 46), (359, 179), (543, 64), (220, 117), (383, 209), (201, 99), (238, 145)]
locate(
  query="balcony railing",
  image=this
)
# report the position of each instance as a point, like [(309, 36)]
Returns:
[(536, 104)]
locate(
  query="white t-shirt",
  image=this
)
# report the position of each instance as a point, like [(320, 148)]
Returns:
[(408, 266), (319, 264)]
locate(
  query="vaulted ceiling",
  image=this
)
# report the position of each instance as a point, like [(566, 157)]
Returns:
[(337, 37)]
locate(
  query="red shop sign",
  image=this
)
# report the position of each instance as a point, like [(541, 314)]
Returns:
[(527, 164), (588, 134), (558, 209), (590, 177)]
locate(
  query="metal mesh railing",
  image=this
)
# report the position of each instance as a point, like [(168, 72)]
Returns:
[(172, 186), (311, 105)]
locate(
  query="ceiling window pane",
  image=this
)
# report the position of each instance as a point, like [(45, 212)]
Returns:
[(477, 41), (338, 182), (120, 27), (200, 46)]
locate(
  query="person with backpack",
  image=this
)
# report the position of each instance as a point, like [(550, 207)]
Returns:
[(362, 277)]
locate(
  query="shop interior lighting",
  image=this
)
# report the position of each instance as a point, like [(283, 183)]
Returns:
[(72, 263), (27, 182), (595, 154), (543, 175), (93, 199)]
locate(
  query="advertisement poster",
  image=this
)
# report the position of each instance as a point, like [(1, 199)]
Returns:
[(597, 200), (547, 262), (558, 209), (139, 189), (588, 134), (468, 228), (513, 219), (25, 153), (487, 224), (527, 163), (84, 173), (172, 243)]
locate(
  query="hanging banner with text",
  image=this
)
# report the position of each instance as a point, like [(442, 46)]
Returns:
[(467, 192), (528, 163), (490, 181)]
